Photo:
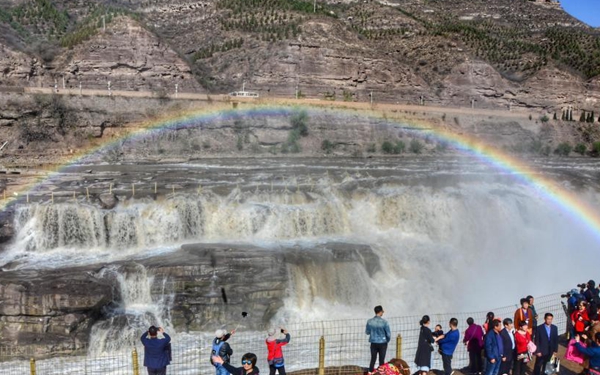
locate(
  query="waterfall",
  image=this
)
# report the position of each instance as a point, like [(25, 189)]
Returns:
[(438, 245), (144, 301)]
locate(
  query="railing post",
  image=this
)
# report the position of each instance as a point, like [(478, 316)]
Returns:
[(322, 356), (134, 360), (399, 346), (32, 366)]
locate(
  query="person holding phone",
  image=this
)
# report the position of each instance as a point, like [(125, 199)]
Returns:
[(157, 351), (275, 354)]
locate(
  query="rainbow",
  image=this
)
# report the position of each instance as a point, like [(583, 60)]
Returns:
[(565, 200)]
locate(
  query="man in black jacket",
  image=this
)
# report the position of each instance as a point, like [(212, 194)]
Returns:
[(546, 340), (508, 341)]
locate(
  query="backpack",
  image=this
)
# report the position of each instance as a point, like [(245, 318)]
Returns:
[(216, 349)]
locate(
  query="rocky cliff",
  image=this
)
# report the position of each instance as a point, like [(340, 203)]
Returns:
[(517, 53), (53, 311)]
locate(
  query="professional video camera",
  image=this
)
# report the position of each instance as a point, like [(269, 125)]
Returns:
[(582, 286), (566, 295)]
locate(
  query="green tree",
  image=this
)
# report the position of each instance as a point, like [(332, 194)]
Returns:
[(400, 147), (299, 122), (582, 117), (387, 147), (596, 149), (327, 146), (416, 146), (545, 118), (563, 149), (580, 149)]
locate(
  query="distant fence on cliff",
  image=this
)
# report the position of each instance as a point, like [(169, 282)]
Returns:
[(345, 344)]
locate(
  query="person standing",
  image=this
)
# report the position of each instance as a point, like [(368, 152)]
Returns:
[(424, 347), (580, 319), (275, 355), (156, 350), (493, 348), (447, 343), (546, 340), (522, 339), (525, 314), (535, 314), (221, 349), (474, 341), (379, 333), (508, 343)]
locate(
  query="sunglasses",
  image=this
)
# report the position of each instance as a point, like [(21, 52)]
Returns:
[(245, 362)]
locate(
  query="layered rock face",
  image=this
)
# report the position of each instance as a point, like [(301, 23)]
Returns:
[(130, 58), (53, 311)]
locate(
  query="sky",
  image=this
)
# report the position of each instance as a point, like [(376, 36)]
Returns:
[(587, 11)]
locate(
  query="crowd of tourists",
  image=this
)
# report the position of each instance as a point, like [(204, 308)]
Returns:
[(497, 346)]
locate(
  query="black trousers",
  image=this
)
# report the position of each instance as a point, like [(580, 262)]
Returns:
[(272, 370), (505, 367), (447, 361), (475, 362), (157, 371), (377, 349), (540, 363), (519, 367)]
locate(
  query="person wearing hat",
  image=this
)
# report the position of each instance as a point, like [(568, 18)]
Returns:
[(379, 333), (275, 355), (248, 365), (157, 351), (221, 349)]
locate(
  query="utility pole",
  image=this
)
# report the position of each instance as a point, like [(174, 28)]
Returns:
[(371, 95), (63, 77), (296, 86), (103, 24), (472, 103), (243, 86), (79, 87), (315, 6), (176, 90), (109, 91)]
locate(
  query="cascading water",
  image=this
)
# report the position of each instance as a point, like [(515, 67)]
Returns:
[(137, 311), (441, 244)]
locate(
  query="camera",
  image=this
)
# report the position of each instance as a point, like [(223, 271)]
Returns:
[(582, 286), (282, 330), (566, 295)]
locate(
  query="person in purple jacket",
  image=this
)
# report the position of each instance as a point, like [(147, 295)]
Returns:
[(473, 339)]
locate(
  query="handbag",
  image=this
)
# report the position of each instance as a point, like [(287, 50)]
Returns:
[(553, 366), (572, 354), (531, 347)]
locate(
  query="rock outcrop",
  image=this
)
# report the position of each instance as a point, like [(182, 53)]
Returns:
[(52, 311)]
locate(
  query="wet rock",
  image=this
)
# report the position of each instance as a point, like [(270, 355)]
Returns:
[(108, 201), (50, 311)]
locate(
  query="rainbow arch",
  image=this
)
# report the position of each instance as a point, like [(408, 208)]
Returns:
[(565, 200)]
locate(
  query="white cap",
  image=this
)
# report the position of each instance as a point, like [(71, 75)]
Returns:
[(271, 332), (219, 333)]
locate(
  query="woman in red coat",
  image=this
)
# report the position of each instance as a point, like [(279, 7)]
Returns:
[(580, 319), (275, 356), (522, 338)]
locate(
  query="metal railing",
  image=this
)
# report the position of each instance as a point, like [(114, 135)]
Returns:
[(315, 346)]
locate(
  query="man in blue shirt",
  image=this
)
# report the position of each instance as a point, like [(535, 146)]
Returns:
[(157, 351), (379, 333), (447, 343)]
